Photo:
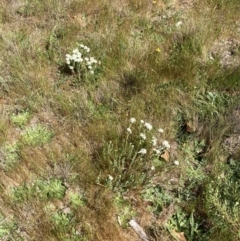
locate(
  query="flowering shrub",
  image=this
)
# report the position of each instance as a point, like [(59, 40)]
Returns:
[(131, 159), (81, 63)]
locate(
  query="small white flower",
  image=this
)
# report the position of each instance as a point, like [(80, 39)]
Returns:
[(178, 24), (82, 46), (75, 51), (142, 121), (148, 126), (110, 177), (91, 72), (87, 59), (71, 67), (79, 60), (143, 151), (160, 130), (89, 67), (176, 163), (68, 61), (152, 168), (129, 130), (143, 136), (132, 120), (166, 144), (154, 141), (157, 151), (68, 56)]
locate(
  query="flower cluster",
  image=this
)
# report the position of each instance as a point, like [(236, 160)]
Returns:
[(81, 62), (135, 157), (145, 136)]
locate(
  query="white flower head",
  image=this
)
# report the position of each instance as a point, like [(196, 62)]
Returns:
[(154, 141), (160, 130), (75, 51), (82, 46), (143, 136), (157, 151), (152, 168), (129, 130), (166, 144), (178, 24), (110, 177), (132, 120), (142, 121), (91, 72), (71, 67), (143, 151), (176, 163), (148, 126)]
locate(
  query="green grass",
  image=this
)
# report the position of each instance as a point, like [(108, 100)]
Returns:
[(68, 165)]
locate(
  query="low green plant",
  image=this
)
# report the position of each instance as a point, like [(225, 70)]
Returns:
[(222, 195), (130, 159), (124, 210), (62, 220), (77, 199), (10, 156), (41, 189), (182, 222), (81, 63), (37, 135), (20, 119), (158, 198), (6, 228)]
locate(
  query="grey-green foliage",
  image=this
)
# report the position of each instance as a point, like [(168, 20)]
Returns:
[(20, 119), (158, 197), (9, 156), (222, 195), (130, 159), (37, 135), (6, 228), (40, 189)]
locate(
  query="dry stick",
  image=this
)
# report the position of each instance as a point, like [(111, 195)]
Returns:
[(139, 230)]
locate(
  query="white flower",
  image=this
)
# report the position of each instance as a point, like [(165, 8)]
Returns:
[(142, 121), (79, 60), (110, 177), (154, 141), (157, 151), (68, 56), (129, 130), (143, 151), (176, 163), (91, 72), (89, 67), (178, 24), (93, 60), (75, 51), (87, 59), (132, 120), (87, 49), (82, 46), (148, 126), (68, 61), (160, 130), (143, 136), (152, 168), (71, 67), (166, 144)]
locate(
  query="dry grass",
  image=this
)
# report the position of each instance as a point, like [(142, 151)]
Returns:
[(150, 69)]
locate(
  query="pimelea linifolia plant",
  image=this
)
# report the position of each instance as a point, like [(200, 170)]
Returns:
[(81, 63), (131, 158)]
